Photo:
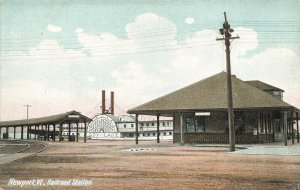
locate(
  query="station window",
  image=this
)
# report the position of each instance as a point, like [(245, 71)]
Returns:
[(124, 125), (164, 124), (148, 134), (147, 124), (165, 133), (144, 134), (170, 133), (195, 124), (142, 124), (168, 123), (152, 123), (153, 134), (131, 125)]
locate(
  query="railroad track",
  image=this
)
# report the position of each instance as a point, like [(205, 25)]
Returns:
[(12, 150), (2, 145)]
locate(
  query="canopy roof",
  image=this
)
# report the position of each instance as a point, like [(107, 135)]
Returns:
[(211, 94), (71, 116)]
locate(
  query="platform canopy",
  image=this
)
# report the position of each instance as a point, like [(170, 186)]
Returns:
[(71, 116), (211, 94)]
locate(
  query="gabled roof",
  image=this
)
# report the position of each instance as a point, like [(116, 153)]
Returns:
[(53, 119), (211, 94), (263, 86)]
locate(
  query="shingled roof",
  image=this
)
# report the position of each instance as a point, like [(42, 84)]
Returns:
[(211, 94), (263, 86), (53, 119)]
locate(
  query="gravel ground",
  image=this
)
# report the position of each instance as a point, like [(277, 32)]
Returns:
[(123, 165)]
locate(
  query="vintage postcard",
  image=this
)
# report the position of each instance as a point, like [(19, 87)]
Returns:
[(148, 94)]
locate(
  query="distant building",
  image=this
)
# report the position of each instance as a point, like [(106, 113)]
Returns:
[(108, 126), (199, 112)]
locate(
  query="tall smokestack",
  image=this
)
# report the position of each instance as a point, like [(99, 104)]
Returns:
[(103, 101), (112, 102)]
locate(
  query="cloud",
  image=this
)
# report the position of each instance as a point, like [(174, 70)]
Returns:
[(91, 79), (53, 28), (79, 30), (149, 29), (189, 20), (242, 44), (276, 66), (138, 68)]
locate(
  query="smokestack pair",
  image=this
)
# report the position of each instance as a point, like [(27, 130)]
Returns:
[(112, 102)]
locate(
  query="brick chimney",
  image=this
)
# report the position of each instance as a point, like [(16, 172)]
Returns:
[(112, 102), (103, 101)]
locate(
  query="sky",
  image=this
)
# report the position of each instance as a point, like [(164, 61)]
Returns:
[(57, 55)]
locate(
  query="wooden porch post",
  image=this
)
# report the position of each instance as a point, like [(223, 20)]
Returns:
[(22, 130), (69, 131), (27, 132), (258, 126), (266, 126), (48, 132), (60, 132), (53, 135), (77, 132), (157, 128), (181, 129), (297, 119), (285, 127), (84, 138), (272, 126), (136, 128), (14, 132), (0, 132), (7, 131), (292, 127), (35, 132), (30, 132)]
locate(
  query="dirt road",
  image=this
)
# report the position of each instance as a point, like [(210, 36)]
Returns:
[(123, 165)]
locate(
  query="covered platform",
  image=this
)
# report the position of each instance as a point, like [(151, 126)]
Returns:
[(49, 127)]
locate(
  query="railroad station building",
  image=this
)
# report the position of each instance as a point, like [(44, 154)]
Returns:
[(199, 112)]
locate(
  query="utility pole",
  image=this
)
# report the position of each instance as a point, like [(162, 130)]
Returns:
[(226, 32), (27, 106)]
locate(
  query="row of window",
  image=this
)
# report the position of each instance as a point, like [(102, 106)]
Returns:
[(154, 134), (149, 134), (130, 125), (147, 124), (68, 133), (152, 124)]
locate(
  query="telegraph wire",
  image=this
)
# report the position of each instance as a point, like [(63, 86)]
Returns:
[(182, 29), (109, 54), (126, 44)]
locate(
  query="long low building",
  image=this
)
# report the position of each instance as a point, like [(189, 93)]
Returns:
[(108, 126), (199, 112), (48, 127)]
